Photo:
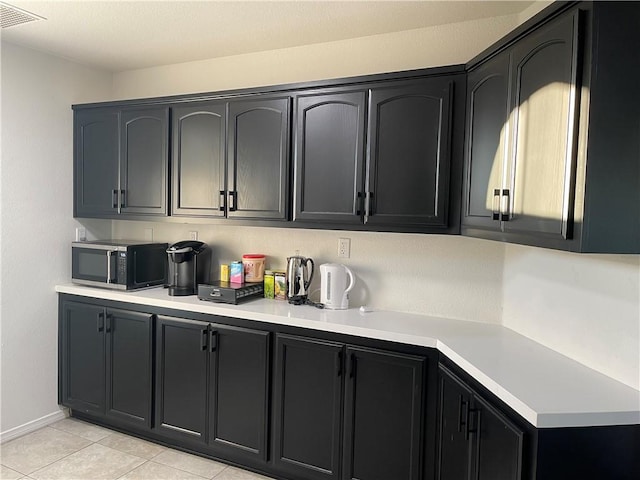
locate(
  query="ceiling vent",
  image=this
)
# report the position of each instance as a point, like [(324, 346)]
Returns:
[(11, 16)]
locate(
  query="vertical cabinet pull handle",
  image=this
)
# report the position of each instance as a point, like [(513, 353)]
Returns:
[(496, 204), (233, 198), (463, 413), (476, 422), (339, 362), (505, 205), (222, 199), (114, 198), (352, 370), (122, 198), (109, 327), (203, 339), (213, 340), (360, 204), (100, 322)]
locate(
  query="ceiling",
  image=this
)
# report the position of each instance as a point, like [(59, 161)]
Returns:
[(125, 35)]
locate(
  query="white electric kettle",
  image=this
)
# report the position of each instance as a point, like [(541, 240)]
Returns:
[(334, 291)]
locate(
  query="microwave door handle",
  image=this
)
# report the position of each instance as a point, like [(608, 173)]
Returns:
[(109, 255)]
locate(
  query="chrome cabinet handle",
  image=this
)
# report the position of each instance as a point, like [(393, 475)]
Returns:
[(222, 199)]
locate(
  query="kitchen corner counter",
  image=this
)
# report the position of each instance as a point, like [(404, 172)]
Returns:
[(543, 386)]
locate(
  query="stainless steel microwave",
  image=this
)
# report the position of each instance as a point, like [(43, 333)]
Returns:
[(119, 264)]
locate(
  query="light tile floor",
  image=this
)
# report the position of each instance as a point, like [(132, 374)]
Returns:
[(74, 450)]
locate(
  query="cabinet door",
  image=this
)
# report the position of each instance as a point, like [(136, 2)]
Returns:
[(329, 157), (408, 156), (198, 161), (144, 161), (486, 137), (544, 104), (129, 337), (239, 386), (308, 393), (258, 159), (497, 444), (96, 162), (383, 416), (454, 447), (82, 357), (181, 378)]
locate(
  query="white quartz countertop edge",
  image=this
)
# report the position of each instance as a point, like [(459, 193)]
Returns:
[(543, 386)]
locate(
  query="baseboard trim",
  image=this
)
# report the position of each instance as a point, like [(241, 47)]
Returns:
[(33, 425)]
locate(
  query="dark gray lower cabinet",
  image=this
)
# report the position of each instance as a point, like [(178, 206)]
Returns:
[(212, 386), (308, 392), (181, 378), (238, 393), (476, 441), (105, 361), (383, 415), (82, 361), (371, 432)]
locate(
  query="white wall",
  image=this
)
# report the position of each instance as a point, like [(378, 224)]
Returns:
[(37, 223), (447, 276), (585, 306), (412, 49)]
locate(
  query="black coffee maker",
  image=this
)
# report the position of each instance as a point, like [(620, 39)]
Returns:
[(188, 266)]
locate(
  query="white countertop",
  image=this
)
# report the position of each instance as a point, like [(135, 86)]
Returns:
[(545, 387)]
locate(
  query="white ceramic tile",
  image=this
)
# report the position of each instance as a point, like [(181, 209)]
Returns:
[(132, 445), (82, 429), (39, 449), (8, 474), (95, 462), (190, 463), (156, 471), (233, 473)]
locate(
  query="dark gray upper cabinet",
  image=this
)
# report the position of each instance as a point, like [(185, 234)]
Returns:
[(487, 117), (199, 159), (121, 162), (258, 159), (329, 157), (408, 155), (144, 161), (96, 162), (521, 152), (398, 179), (476, 440), (559, 167), (105, 361), (383, 415)]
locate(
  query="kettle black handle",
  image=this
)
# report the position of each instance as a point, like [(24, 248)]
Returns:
[(308, 282)]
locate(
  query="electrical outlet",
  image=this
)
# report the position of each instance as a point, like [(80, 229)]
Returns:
[(148, 234), (193, 235), (81, 234), (344, 247)]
